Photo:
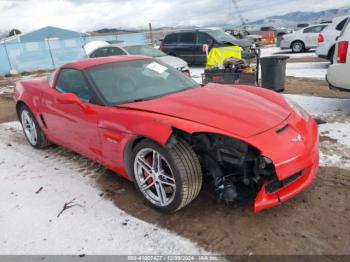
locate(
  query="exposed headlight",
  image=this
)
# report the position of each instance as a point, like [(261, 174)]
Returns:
[(298, 109)]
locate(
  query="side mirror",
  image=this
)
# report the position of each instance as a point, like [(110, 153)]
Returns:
[(70, 98)]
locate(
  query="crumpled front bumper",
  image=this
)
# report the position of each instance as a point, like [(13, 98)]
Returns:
[(300, 161)]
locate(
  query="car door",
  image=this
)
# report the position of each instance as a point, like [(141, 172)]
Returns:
[(68, 124), (186, 47), (202, 39), (311, 35)]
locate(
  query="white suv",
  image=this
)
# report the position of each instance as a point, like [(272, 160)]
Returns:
[(328, 38), (338, 75), (303, 39)]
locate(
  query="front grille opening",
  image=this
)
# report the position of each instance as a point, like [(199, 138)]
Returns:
[(274, 186)]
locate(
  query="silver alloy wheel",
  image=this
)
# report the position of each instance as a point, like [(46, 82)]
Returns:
[(154, 177), (297, 47), (29, 127)]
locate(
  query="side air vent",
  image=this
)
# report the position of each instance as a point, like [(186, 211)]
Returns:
[(281, 130)]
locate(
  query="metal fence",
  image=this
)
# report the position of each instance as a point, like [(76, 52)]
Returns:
[(51, 53)]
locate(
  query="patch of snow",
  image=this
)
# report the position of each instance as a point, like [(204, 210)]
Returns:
[(6, 90), (29, 223), (337, 131), (320, 105), (272, 51), (315, 70), (196, 73)]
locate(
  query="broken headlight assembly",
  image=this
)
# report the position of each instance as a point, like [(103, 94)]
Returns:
[(298, 109)]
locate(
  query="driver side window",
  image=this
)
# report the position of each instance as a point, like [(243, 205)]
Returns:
[(73, 81)]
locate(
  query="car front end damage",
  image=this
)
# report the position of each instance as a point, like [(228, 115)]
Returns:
[(295, 155), (266, 169)]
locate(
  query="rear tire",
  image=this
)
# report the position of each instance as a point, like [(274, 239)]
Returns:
[(172, 184), (298, 47), (31, 129)]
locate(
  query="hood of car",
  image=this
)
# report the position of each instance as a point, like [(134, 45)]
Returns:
[(244, 43), (232, 109), (172, 61)]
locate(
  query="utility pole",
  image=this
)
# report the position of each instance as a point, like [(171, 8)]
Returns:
[(243, 23), (151, 33)]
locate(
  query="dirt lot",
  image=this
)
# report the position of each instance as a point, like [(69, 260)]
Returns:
[(315, 222), (7, 109), (308, 86)]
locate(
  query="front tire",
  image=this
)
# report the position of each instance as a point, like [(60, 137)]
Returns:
[(168, 178), (31, 129), (298, 47)]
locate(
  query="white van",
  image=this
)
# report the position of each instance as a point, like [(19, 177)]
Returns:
[(328, 37), (338, 74)]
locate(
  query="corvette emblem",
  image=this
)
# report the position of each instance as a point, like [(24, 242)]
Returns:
[(298, 138)]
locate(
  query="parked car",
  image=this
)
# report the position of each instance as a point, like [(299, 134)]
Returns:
[(280, 31), (338, 74), (303, 39), (188, 44), (156, 127), (327, 39), (103, 49)]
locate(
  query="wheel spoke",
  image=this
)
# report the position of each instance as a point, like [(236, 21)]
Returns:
[(144, 165), (161, 194), (148, 186), (167, 176), (168, 184), (145, 180)]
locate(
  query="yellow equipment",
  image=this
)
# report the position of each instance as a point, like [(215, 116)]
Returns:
[(218, 55)]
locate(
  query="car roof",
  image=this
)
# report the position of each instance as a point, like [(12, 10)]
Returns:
[(195, 30), (123, 44), (92, 62)]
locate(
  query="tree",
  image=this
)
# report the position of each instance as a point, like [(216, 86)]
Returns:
[(14, 32)]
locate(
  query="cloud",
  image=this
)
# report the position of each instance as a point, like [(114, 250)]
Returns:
[(85, 15)]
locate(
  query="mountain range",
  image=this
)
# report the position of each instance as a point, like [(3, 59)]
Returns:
[(303, 17)]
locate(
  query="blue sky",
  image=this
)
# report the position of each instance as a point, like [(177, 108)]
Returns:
[(85, 15)]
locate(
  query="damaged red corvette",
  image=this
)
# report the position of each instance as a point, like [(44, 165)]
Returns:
[(160, 129)]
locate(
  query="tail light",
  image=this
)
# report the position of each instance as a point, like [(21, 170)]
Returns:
[(320, 38), (161, 47), (186, 73), (342, 51)]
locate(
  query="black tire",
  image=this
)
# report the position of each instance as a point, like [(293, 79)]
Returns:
[(186, 172), (41, 141), (298, 47)]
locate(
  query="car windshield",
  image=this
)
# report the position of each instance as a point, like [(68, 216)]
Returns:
[(136, 81), (144, 50), (221, 36)]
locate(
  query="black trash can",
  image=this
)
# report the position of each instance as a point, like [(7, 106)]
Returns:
[(273, 72)]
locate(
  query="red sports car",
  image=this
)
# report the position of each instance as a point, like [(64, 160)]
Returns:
[(158, 128)]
